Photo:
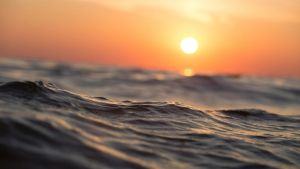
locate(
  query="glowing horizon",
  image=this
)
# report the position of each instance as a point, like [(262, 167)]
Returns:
[(255, 37)]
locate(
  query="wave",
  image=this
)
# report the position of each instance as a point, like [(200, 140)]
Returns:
[(277, 95), (44, 126)]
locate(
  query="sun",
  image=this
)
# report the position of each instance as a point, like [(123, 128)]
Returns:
[(189, 45)]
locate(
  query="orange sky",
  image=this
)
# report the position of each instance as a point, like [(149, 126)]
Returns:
[(260, 37)]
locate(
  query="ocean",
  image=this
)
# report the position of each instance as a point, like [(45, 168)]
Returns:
[(58, 115)]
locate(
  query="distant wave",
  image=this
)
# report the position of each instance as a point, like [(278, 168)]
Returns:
[(277, 95), (44, 126)]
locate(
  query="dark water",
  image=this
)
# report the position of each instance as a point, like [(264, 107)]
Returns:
[(69, 116)]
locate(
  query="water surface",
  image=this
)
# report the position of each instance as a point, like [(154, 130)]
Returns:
[(70, 116)]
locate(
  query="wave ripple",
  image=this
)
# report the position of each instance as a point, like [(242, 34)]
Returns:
[(43, 126)]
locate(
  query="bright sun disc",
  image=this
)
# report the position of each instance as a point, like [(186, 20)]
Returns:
[(189, 45)]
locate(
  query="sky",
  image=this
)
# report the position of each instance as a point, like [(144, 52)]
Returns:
[(258, 37)]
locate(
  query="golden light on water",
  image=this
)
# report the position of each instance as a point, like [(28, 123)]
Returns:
[(188, 72)]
